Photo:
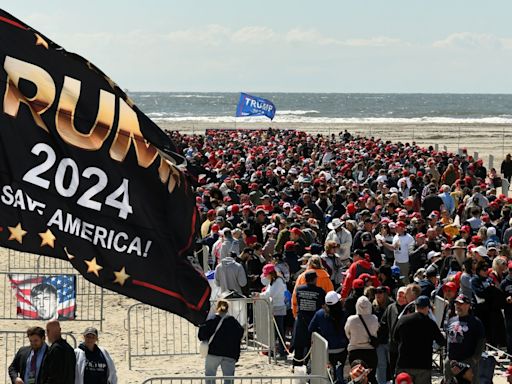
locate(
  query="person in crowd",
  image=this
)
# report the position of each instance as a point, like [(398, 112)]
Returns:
[(361, 264), (468, 271), (465, 339), (359, 372), (27, 362), (93, 363), (329, 322), (333, 262), (381, 302), (429, 283), (386, 332), (230, 276), (403, 245), (339, 234), (506, 287), (361, 330), (323, 279), (415, 334), (275, 289), (488, 302), (224, 335), (308, 299), (506, 167), (59, 363)]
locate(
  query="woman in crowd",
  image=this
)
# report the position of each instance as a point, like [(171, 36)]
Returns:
[(275, 288), (329, 322), (361, 329), (224, 335)]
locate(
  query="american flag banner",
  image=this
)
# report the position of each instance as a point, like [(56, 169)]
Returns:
[(45, 297)]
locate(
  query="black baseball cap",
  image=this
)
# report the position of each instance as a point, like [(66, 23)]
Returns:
[(90, 331)]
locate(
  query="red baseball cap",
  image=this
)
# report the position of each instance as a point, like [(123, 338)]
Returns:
[(289, 245), (401, 224), (465, 228), (450, 286), (358, 283), (403, 378)]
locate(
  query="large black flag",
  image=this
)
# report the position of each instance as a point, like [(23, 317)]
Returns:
[(86, 176)]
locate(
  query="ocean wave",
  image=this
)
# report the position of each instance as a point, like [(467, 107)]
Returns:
[(296, 112), (337, 120), (196, 96)]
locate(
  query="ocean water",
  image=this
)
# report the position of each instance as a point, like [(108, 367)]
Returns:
[(332, 107)]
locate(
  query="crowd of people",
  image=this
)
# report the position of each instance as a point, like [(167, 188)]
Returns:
[(390, 251), (58, 363)]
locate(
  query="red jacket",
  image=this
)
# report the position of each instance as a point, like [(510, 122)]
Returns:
[(355, 270)]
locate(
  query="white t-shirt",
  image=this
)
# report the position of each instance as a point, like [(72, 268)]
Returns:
[(406, 243)]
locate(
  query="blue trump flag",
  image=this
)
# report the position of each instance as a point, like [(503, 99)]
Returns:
[(255, 106)]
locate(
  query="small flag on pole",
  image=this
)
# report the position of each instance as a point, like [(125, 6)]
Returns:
[(249, 105)]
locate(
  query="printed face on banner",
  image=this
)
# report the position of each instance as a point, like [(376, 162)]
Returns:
[(44, 300), (50, 297)]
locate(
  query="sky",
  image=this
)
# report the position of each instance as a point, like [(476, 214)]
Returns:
[(404, 46)]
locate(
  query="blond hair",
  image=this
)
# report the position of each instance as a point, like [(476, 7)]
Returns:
[(222, 306)]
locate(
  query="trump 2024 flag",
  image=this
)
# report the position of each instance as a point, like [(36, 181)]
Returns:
[(249, 105), (85, 176), (50, 297)]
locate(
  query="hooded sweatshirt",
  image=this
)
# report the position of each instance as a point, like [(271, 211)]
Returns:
[(230, 275), (354, 329)]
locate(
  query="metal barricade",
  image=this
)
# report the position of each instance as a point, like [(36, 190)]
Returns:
[(237, 380), (153, 332), (21, 261), (89, 298), (319, 357), (11, 341)]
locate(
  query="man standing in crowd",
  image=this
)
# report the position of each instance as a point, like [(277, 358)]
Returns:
[(93, 363), (58, 366), (230, 276), (403, 245), (466, 339), (387, 326), (341, 236), (308, 299), (415, 334), (26, 366)]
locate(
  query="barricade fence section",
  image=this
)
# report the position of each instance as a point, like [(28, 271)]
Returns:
[(319, 357), (238, 380), (153, 332), (88, 302), (21, 261), (11, 341)]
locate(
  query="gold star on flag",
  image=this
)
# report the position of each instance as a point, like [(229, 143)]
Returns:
[(93, 267), (17, 233), (47, 238), (69, 255), (121, 276), (41, 41)]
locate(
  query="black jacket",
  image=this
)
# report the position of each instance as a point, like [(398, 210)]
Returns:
[(59, 364), (19, 364), (414, 334), (227, 339)]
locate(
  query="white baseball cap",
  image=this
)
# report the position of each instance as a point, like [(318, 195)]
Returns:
[(481, 250), (332, 298)]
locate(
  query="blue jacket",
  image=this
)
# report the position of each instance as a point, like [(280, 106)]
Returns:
[(322, 323)]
